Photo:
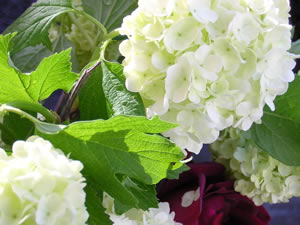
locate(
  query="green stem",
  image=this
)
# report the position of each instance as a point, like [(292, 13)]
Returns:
[(112, 34), (65, 111), (8, 108), (107, 39), (51, 117), (103, 49), (95, 21), (42, 126)]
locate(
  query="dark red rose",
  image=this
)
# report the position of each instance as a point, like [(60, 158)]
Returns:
[(218, 203)]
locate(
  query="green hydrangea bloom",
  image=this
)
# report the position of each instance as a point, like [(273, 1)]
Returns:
[(257, 174)]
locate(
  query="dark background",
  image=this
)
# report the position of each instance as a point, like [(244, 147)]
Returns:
[(295, 17), (282, 214)]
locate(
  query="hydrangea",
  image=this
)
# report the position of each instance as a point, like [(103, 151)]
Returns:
[(82, 32), (257, 174), (154, 216), (39, 185), (207, 65)]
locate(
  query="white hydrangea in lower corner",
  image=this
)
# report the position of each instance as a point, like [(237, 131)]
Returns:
[(207, 65), (257, 174), (39, 185), (153, 216)]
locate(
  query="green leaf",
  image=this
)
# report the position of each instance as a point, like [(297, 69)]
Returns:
[(9, 78), (15, 128), (109, 12), (279, 132), (120, 100), (174, 174), (94, 206), (92, 102), (60, 44), (295, 47), (120, 146), (53, 73), (142, 191), (33, 25), (29, 58)]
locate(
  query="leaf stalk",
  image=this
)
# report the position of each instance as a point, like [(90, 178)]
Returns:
[(65, 111)]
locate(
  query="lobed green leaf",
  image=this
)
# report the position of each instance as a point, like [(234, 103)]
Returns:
[(53, 73)]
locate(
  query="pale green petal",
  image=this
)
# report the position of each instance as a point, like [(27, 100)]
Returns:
[(160, 61), (260, 6), (213, 63), (157, 7), (181, 35), (153, 31), (229, 54), (202, 52), (245, 28), (49, 209), (125, 48), (201, 11), (178, 81), (243, 108)]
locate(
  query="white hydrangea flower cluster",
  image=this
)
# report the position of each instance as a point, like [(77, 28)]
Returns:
[(154, 216), (258, 175), (207, 65), (39, 185)]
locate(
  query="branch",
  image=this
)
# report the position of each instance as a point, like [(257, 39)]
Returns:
[(68, 100)]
